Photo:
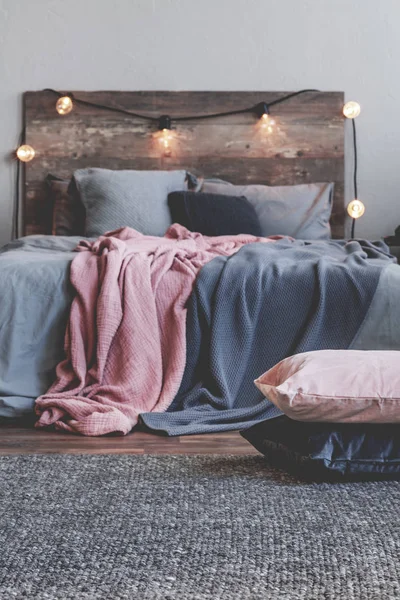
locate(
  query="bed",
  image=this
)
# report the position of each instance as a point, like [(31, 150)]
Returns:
[(333, 294)]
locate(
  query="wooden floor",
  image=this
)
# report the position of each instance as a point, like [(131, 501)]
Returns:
[(24, 439)]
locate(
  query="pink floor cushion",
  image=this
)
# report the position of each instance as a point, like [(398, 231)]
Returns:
[(337, 386)]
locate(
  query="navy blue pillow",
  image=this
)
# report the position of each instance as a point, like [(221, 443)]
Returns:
[(214, 214), (344, 450)]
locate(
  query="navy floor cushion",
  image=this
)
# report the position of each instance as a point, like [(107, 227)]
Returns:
[(338, 450)]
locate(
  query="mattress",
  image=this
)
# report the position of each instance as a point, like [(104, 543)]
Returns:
[(35, 298)]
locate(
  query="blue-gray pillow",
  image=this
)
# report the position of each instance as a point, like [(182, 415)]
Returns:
[(137, 199), (300, 211), (360, 451), (214, 214)]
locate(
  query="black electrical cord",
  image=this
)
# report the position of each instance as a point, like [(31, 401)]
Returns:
[(355, 184), (289, 96), (15, 226), (122, 111), (251, 109), (15, 231), (177, 118)]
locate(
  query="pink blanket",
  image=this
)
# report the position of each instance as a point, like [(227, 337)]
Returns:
[(125, 343)]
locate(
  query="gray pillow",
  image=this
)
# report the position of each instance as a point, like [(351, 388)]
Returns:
[(301, 211), (137, 199)]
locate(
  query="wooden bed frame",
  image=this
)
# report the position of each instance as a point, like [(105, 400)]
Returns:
[(306, 146)]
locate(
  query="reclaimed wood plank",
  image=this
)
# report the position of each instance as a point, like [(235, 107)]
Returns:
[(307, 143)]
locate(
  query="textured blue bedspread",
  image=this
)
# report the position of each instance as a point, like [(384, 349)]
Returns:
[(251, 310)]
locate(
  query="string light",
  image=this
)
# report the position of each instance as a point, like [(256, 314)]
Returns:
[(166, 138), (64, 105), (356, 209), (165, 134), (67, 101), (266, 123), (351, 109), (25, 153)]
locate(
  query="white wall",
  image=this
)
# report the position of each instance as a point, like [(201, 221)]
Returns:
[(350, 45)]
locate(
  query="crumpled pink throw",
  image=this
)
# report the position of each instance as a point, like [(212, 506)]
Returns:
[(125, 343)]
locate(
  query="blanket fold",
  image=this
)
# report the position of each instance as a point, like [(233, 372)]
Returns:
[(125, 343)]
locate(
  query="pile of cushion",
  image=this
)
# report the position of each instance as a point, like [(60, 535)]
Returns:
[(98, 200), (341, 414)]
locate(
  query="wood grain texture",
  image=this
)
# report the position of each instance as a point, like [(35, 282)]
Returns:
[(24, 439), (307, 144)]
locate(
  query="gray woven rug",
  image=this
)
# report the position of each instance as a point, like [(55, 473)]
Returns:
[(202, 528)]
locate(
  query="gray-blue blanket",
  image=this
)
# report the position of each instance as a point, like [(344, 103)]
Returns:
[(251, 310), (35, 298)]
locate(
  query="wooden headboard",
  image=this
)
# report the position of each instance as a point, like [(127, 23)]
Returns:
[(306, 146)]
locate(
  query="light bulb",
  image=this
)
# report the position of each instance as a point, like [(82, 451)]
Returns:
[(166, 137), (25, 153), (266, 123), (351, 110), (64, 105), (356, 209)]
